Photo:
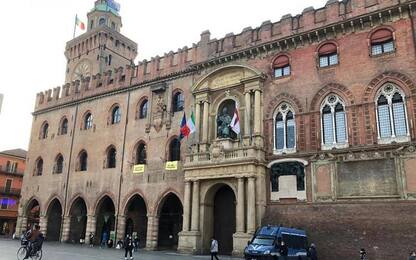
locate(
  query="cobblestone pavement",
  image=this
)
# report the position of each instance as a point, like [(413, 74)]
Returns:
[(58, 251)]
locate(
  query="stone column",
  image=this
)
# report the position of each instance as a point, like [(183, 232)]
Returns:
[(251, 205), (91, 226), (240, 206), (205, 123), (187, 207), (257, 112), (152, 232), (247, 114), (195, 207), (66, 225), (121, 227), (21, 225), (43, 223), (197, 119)]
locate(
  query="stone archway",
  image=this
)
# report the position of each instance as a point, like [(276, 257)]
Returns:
[(220, 217), (78, 221), (33, 213), (54, 215), (105, 216), (170, 222), (136, 219)]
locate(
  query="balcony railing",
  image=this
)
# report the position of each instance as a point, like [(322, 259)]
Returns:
[(9, 192), (238, 154), (4, 169)]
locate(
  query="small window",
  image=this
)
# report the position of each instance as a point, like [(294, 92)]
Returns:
[(59, 164), (116, 115), (101, 21), (143, 109), (334, 123), (382, 42), (328, 55), (8, 185), (281, 66), (141, 154), (91, 24), (178, 102), (83, 161), (39, 167), (88, 121), (44, 131), (113, 25), (109, 59), (111, 158), (175, 150), (64, 127)]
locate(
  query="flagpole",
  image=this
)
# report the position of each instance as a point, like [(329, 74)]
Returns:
[(75, 25)]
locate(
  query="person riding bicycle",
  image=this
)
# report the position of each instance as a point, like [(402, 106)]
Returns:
[(35, 238)]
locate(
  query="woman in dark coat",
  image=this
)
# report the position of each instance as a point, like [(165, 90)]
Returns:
[(128, 247), (313, 255)]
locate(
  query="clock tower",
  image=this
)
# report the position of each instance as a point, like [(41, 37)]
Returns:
[(102, 47)]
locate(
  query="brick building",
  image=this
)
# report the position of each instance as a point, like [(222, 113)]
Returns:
[(12, 166), (326, 101)]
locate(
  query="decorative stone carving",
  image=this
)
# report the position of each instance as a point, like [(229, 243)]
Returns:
[(159, 110), (217, 152)]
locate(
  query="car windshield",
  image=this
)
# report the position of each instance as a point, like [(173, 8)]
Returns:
[(265, 241)]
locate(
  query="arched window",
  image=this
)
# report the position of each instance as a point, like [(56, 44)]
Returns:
[(391, 114), (281, 66), (59, 164), (178, 101), (115, 115), (285, 129), (87, 121), (141, 154), (44, 130), (334, 123), (328, 55), (143, 109), (101, 21), (175, 150), (63, 130), (382, 41), (39, 167), (83, 161), (111, 157)]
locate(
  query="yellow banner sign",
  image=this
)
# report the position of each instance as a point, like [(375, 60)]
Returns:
[(138, 168), (171, 166)]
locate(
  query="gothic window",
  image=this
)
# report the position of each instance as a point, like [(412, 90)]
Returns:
[(382, 41), (285, 129), (175, 150), (44, 130), (116, 115), (39, 167), (141, 154), (391, 114), (178, 101), (63, 130), (143, 109), (59, 164), (87, 121), (281, 66), (82, 161), (334, 123), (328, 55), (111, 157)]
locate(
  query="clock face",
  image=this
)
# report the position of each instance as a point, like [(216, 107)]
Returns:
[(82, 70)]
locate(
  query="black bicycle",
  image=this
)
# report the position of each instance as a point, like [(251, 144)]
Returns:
[(36, 249)]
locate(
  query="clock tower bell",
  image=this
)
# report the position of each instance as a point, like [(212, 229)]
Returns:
[(102, 47)]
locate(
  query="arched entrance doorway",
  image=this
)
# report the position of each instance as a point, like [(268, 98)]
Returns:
[(54, 214), (33, 213), (105, 216), (136, 219), (170, 222), (220, 217), (78, 223)]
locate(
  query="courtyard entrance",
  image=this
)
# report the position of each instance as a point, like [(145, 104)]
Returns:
[(33, 213), (78, 224), (136, 219), (54, 213), (105, 215), (170, 222)]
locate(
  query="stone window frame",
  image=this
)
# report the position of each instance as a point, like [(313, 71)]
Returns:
[(87, 124), (136, 152), (281, 62), (176, 105), (38, 169), (44, 129), (381, 42), (114, 114), (388, 90), (110, 162), (82, 166), (284, 111), (321, 53), (61, 126), (58, 169), (170, 155), (332, 105), (140, 107)]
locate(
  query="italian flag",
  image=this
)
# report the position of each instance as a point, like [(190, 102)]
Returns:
[(79, 23), (191, 124)]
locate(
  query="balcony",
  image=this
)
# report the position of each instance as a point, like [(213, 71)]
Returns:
[(4, 170), (9, 192)]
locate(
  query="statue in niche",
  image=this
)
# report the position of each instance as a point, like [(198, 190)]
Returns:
[(223, 124), (160, 104)]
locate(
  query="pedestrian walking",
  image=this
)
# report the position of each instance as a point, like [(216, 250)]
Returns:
[(363, 254), (412, 255), (312, 254), (283, 250), (104, 239), (136, 243), (92, 237), (128, 246), (214, 249)]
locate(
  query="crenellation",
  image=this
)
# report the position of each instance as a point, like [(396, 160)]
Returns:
[(48, 94), (56, 93), (332, 11)]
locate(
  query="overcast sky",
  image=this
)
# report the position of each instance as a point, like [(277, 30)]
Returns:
[(34, 34)]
